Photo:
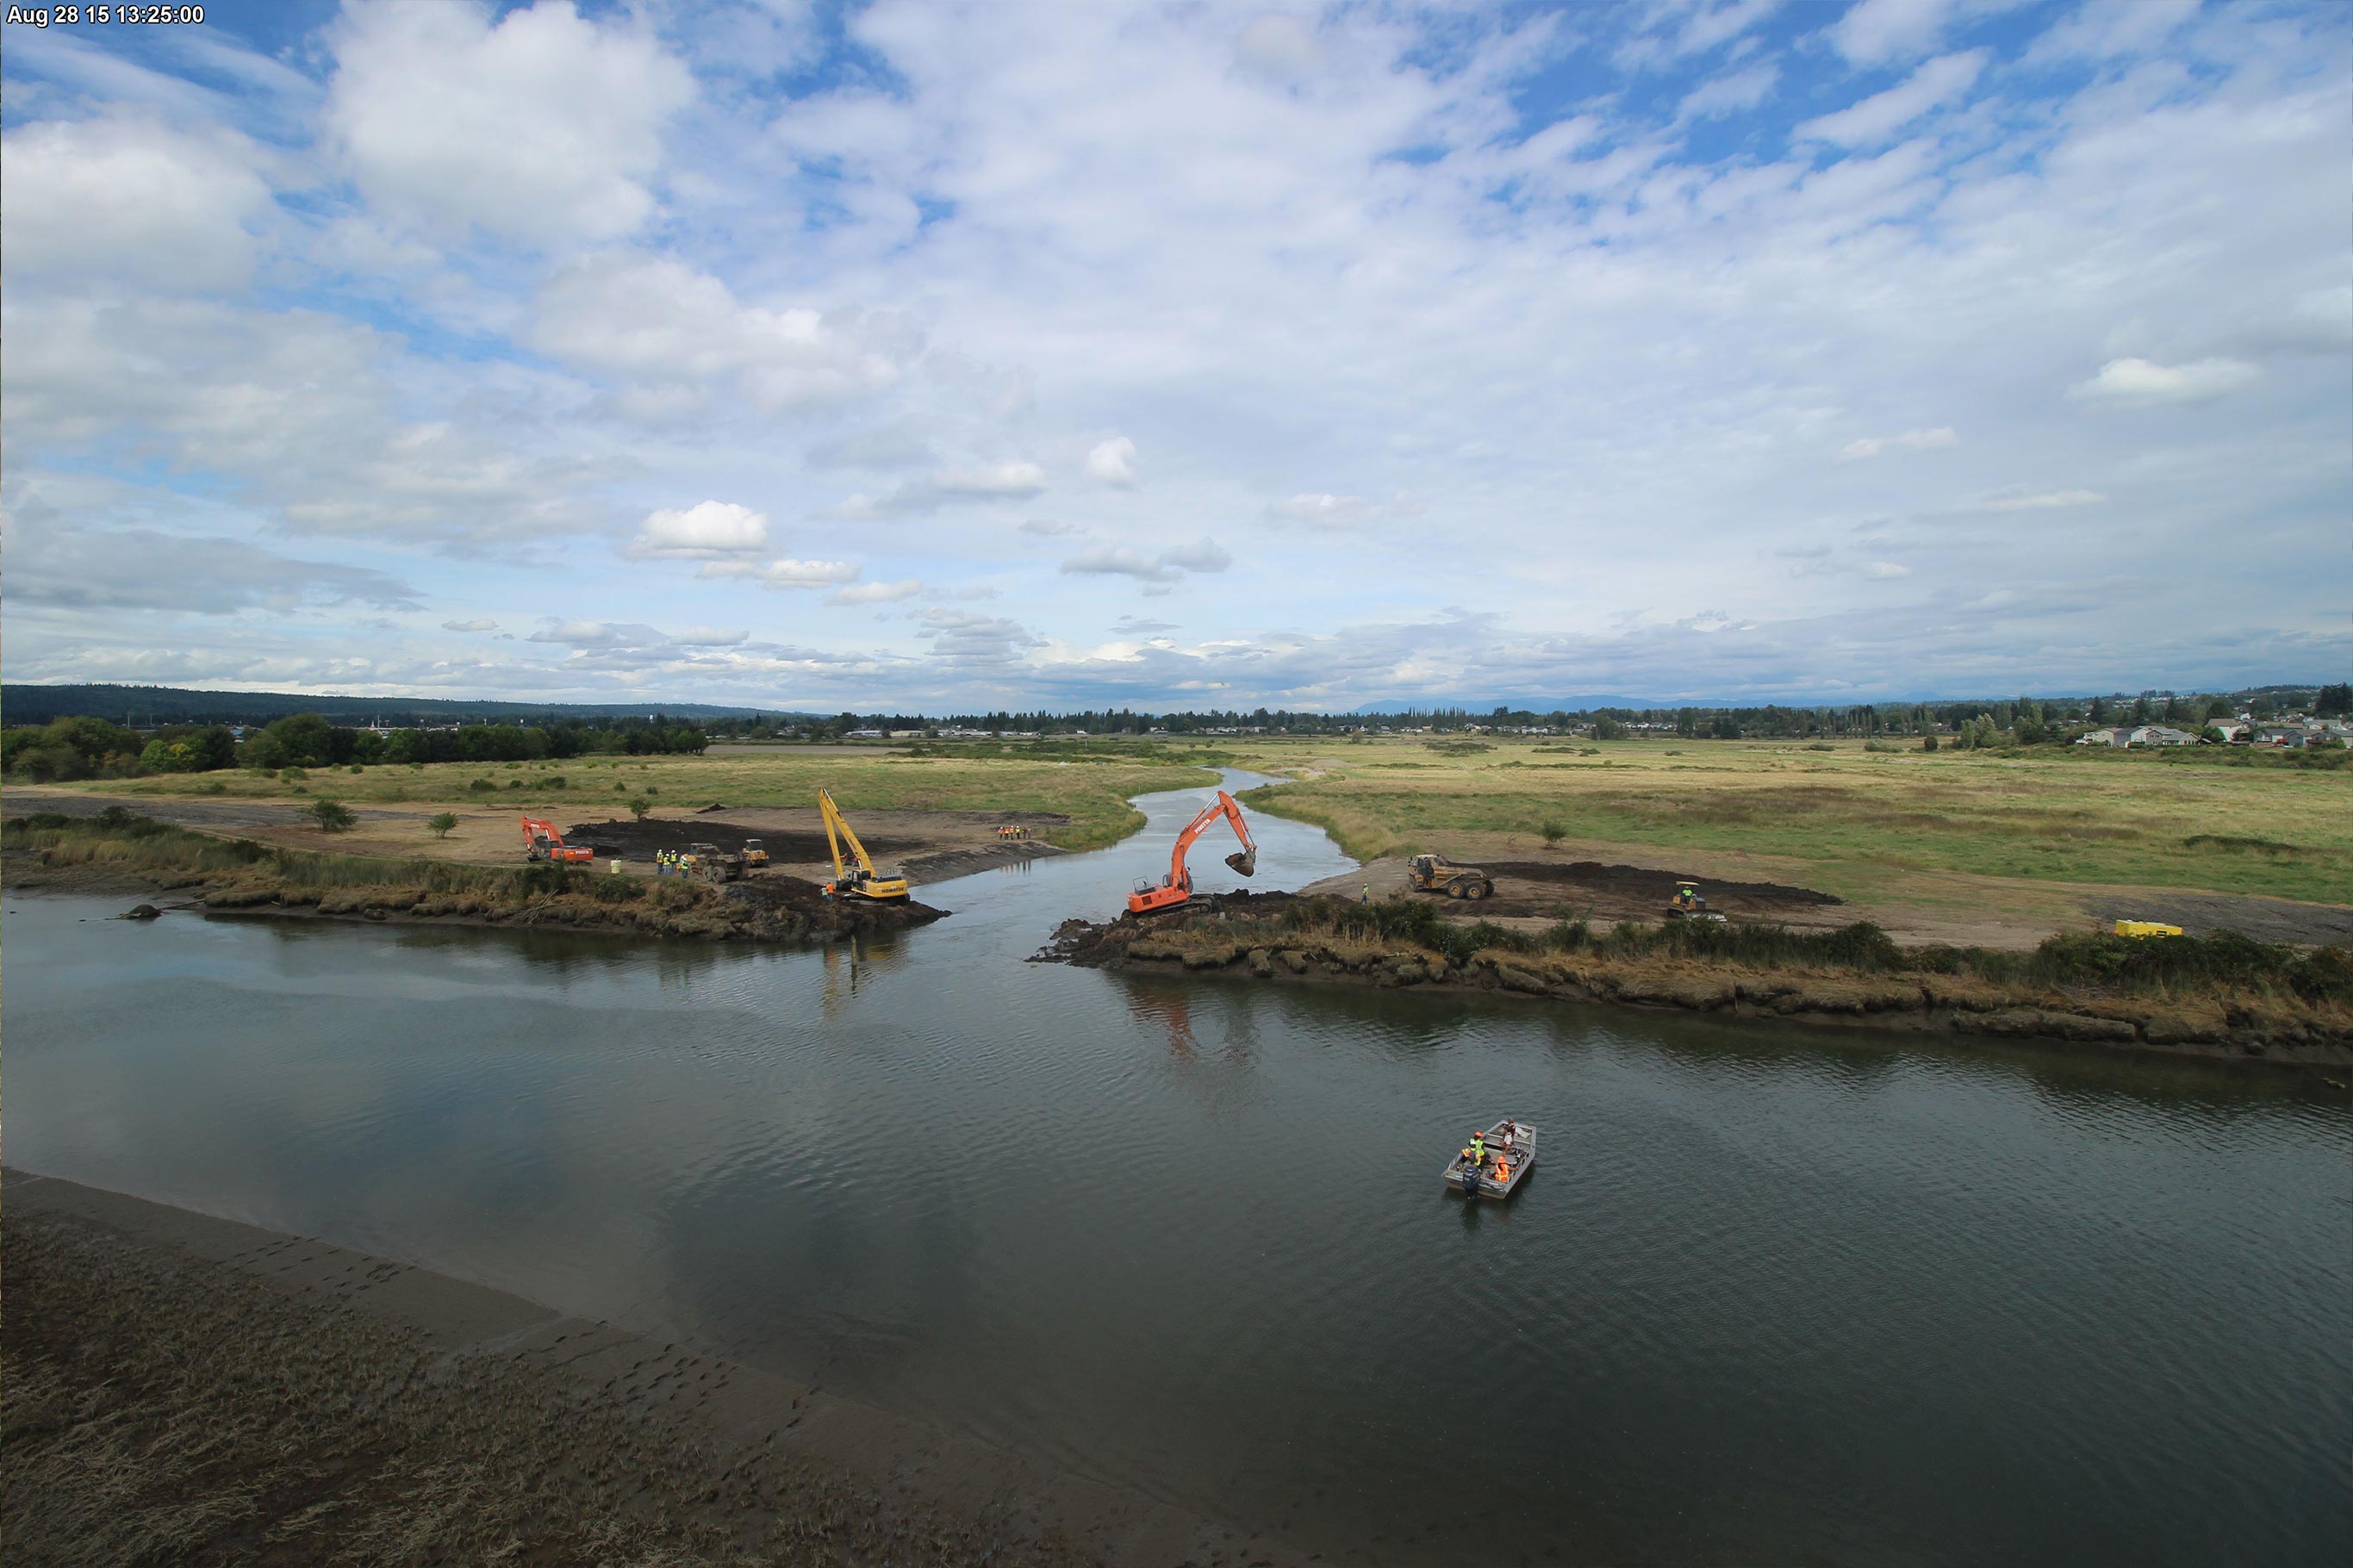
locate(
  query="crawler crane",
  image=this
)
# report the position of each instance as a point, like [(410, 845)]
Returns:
[(1178, 885), (859, 879)]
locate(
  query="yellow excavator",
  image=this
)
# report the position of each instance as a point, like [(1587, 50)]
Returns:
[(859, 879)]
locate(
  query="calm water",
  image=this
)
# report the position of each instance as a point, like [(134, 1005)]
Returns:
[(1772, 1298)]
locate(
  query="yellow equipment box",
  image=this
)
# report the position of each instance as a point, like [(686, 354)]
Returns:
[(2146, 928)]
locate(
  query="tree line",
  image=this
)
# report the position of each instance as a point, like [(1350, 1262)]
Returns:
[(81, 747)]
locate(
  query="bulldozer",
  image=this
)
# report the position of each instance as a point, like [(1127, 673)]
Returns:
[(755, 855), (1687, 905), (1437, 874), (706, 863)]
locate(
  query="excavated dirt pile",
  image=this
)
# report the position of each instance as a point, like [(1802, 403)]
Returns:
[(617, 838), (1095, 944), (1597, 892)]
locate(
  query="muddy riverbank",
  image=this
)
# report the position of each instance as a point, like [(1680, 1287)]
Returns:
[(1278, 938), (358, 1408), (245, 878)]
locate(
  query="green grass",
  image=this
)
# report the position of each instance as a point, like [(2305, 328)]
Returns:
[(2054, 815), (1091, 787)]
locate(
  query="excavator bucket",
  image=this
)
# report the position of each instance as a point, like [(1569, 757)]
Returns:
[(1244, 861)]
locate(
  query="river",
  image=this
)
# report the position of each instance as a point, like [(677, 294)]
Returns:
[(1773, 1296)]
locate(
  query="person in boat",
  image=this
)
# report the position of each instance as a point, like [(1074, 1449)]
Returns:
[(1511, 1135), (1504, 1168), (1475, 1156)]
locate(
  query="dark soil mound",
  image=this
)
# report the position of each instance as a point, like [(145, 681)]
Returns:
[(640, 840), (1640, 885)]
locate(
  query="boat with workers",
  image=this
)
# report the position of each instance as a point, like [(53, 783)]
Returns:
[(1495, 1162)]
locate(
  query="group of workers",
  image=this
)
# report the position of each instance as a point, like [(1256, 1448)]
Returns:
[(1506, 1149), (667, 861)]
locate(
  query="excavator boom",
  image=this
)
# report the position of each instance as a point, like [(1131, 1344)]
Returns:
[(1178, 885), (858, 878)]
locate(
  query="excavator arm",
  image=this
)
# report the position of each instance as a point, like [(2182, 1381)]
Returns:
[(837, 828), (1178, 886)]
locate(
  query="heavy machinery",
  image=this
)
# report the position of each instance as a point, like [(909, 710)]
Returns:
[(1437, 874), (1178, 885), (541, 841), (1687, 905), (709, 863), (859, 879), (755, 855)]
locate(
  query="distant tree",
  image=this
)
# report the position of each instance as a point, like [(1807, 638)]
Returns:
[(2140, 711), (1553, 833), (638, 806), (331, 816), (2333, 701), (1928, 741), (1605, 728), (2099, 714), (442, 824)]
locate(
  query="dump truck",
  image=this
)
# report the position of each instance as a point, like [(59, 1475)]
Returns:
[(1437, 874), (709, 864)]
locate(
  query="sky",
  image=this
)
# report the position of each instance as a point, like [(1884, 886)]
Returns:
[(945, 356)]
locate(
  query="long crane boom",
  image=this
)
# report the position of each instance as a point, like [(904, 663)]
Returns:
[(1178, 885), (860, 877)]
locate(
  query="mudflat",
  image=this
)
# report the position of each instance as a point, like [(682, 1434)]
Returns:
[(186, 1389)]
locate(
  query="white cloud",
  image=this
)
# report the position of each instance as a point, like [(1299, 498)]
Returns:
[(544, 128), (1878, 117), (783, 574), (659, 322), (709, 636), (476, 626), (876, 593), (1934, 440), (1050, 528), (2146, 381), (2041, 500), (992, 479), (1874, 31), (1885, 571), (1114, 462), (1276, 48), (703, 530), (1312, 507), (1723, 95), (1168, 566), (131, 199)]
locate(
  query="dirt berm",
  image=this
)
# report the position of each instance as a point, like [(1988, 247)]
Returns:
[(1245, 936)]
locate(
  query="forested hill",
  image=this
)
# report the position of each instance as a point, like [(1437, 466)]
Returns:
[(144, 707)]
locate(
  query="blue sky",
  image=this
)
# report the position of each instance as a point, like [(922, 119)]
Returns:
[(949, 356)]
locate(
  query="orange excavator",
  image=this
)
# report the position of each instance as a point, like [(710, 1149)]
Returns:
[(1178, 885), (541, 841)]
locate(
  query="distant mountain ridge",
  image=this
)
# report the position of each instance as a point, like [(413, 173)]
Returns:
[(137, 706)]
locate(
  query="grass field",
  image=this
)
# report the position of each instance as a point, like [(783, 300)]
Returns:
[(1956, 828), (1864, 823), (1092, 790)]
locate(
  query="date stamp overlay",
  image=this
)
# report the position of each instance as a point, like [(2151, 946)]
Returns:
[(105, 15)]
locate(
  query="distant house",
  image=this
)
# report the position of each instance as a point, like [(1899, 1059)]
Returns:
[(2292, 737), (2233, 731), (2159, 735)]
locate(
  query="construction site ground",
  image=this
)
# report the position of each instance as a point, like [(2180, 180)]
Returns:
[(1604, 883), (927, 845)]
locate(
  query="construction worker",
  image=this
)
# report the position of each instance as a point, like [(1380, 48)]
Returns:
[(1477, 1150)]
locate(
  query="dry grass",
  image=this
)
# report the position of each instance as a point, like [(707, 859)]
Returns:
[(1091, 791), (1856, 821)]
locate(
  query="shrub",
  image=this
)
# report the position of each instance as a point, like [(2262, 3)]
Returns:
[(1820, 746), (442, 824), (292, 773), (1553, 833), (331, 816), (479, 785), (638, 806), (514, 783), (355, 768)]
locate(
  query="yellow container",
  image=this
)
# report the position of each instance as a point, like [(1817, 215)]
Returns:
[(2146, 928)]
